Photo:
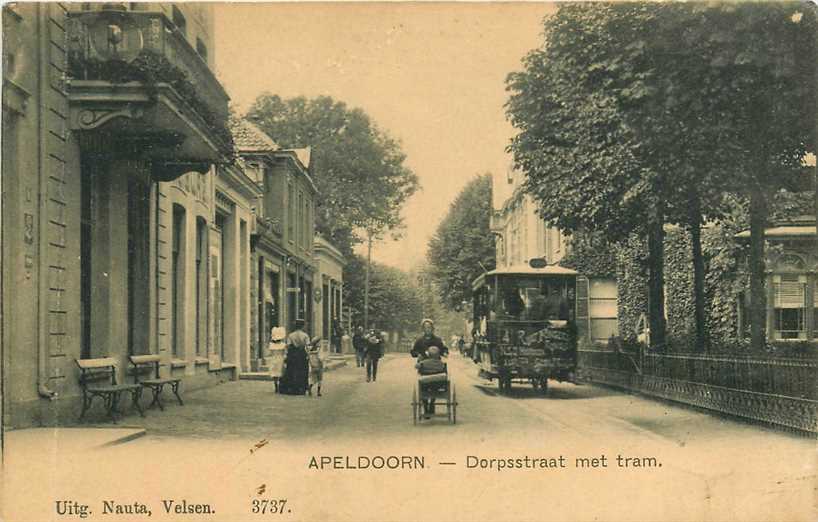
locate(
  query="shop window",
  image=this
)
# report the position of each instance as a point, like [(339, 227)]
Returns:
[(325, 311), (789, 306)]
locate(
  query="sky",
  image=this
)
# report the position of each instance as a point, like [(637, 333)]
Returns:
[(432, 75)]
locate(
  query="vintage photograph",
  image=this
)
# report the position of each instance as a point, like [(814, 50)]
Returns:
[(409, 261)]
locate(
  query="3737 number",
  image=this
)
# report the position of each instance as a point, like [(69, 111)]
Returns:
[(263, 506)]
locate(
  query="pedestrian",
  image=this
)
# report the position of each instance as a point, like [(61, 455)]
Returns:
[(316, 365), (359, 343), (296, 379), (337, 332), (277, 349), (374, 351), (428, 339)]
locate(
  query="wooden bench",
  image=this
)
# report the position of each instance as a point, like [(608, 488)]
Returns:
[(98, 379), (155, 383)]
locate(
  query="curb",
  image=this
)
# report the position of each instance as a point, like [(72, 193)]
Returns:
[(138, 433)]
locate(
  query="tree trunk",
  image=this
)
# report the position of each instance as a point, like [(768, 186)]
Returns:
[(656, 276), (698, 274), (758, 297), (366, 281)]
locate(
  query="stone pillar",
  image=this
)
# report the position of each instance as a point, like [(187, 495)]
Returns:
[(231, 287), (244, 294)]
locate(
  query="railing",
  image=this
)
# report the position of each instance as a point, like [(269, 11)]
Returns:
[(90, 39), (777, 390)]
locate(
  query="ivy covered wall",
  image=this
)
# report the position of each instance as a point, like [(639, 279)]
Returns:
[(726, 274)]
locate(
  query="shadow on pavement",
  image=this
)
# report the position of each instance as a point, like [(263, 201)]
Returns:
[(563, 392)]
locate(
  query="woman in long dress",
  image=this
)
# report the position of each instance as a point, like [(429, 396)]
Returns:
[(277, 352), (295, 380)]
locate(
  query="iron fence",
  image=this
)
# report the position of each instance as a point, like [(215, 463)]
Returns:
[(779, 390)]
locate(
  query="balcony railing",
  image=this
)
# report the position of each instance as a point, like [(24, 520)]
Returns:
[(140, 46)]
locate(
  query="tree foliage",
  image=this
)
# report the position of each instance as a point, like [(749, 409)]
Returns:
[(358, 168), (395, 301), (639, 114), (463, 244)]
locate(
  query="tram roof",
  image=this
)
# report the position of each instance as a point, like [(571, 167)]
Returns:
[(524, 269)]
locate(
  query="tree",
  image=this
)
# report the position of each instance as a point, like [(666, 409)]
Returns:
[(463, 246), (358, 168), (395, 301), (583, 163), (699, 96)]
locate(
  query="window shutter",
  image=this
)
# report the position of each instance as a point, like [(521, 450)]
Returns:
[(790, 292)]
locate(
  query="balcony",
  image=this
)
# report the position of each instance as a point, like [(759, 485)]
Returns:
[(138, 89)]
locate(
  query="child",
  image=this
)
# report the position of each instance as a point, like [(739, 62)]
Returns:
[(277, 350), (431, 366), (316, 365), (432, 363)]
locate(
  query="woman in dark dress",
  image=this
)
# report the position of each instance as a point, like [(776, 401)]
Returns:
[(295, 380)]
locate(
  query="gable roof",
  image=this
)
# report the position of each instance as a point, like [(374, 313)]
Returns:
[(249, 138)]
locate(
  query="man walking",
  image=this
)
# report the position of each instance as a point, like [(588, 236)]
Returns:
[(359, 343), (374, 351)]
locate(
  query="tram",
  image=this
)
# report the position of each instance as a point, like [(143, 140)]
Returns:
[(525, 324)]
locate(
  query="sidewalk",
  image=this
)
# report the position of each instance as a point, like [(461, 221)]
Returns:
[(333, 362)]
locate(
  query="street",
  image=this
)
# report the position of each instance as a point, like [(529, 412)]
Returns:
[(235, 443)]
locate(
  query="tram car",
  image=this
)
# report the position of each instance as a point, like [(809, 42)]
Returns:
[(525, 325)]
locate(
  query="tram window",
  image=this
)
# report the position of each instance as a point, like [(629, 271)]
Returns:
[(529, 299)]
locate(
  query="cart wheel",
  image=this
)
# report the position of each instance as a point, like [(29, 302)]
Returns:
[(454, 405), (415, 406), (449, 402)]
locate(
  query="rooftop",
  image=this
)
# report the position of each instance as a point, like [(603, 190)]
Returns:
[(249, 138), (796, 227)]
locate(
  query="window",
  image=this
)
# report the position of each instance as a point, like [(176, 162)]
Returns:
[(290, 212), (308, 227), (179, 20), (603, 309), (534, 299), (86, 247), (177, 279), (301, 218), (201, 48), (201, 285), (789, 306)]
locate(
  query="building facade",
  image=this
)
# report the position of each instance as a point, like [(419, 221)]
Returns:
[(329, 301), (521, 235), (791, 282), (283, 267), (112, 123)]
